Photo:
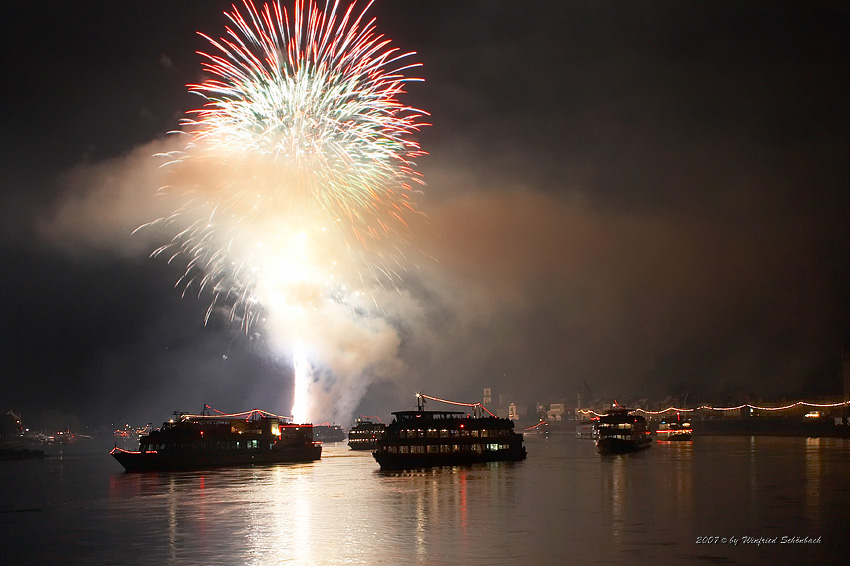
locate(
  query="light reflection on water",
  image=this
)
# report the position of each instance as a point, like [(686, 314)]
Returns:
[(565, 504)]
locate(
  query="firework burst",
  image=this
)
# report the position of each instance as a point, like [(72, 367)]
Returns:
[(300, 164)]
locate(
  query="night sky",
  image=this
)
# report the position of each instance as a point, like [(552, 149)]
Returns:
[(649, 197)]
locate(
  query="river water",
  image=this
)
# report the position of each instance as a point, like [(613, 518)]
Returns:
[(716, 500)]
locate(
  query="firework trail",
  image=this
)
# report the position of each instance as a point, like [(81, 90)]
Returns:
[(294, 189)]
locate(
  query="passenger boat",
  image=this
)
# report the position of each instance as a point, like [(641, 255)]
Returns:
[(540, 429), (674, 430), (190, 442), (588, 429), (327, 432), (620, 431), (422, 439), (366, 434)]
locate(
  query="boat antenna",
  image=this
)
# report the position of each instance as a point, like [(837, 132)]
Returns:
[(420, 401)]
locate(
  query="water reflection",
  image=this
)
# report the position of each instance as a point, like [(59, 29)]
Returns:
[(618, 483), (678, 456), (564, 502), (172, 520), (813, 480)]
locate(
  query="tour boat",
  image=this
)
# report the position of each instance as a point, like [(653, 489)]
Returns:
[(327, 432), (366, 434), (207, 441), (674, 430), (588, 429), (422, 439), (620, 431)]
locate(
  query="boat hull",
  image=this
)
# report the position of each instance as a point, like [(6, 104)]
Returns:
[(675, 437), (621, 445), (390, 461), (197, 459)]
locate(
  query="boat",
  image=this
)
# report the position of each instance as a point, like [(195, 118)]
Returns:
[(365, 434), (539, 429), (189, 442), (424, 439), (673, 431), (327, 432), (620, 431), (588, 429)]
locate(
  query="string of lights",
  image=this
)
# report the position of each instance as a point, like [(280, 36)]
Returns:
[(456, 403), (364, 417), (246, 414), (736, 408)]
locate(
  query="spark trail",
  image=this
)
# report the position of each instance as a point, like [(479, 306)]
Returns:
[(294, 189)]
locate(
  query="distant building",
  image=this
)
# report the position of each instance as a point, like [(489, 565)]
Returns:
[(557, 412), (583, 397)]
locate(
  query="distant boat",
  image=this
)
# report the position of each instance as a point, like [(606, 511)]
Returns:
[(588, 429), (541, 428), (366, 434), (208, 441), (327, 432), (673, 431), (620, 431), (422, 439)]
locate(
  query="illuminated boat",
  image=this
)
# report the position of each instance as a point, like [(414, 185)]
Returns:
[(190, 442), (539, 429), (588, 429), (620, 431), (423, 439), (327, 432), (674, 430), (366, 434)]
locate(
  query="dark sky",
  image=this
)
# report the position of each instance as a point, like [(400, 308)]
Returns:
[(650, 197)]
